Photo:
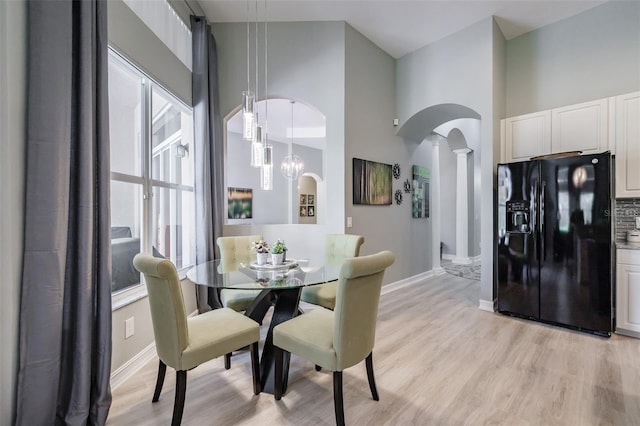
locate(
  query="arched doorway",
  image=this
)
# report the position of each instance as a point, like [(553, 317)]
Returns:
[(436, 125)]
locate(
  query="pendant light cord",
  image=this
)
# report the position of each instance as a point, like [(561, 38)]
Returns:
[(266, 80), (248, 48)]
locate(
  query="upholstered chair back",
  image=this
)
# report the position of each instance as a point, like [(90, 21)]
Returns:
[(356, 308), (234, 250), (167, 307), (338, 247)]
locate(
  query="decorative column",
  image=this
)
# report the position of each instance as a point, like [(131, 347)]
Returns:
[(462, 208), (435, 207)]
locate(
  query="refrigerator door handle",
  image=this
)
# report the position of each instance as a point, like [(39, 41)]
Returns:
[(542, 189)]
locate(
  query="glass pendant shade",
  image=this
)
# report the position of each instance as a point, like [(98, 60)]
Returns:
[(292, 167), (266, 177), (257, 148), (248, 110)]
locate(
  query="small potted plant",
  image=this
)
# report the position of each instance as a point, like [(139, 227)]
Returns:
[(262, 251), (278, 252)]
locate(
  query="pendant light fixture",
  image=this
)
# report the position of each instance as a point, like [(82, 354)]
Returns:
[(248, 97), (266, 177), (292, 166)]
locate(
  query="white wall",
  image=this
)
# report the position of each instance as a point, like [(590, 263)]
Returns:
[(306, 64), (12, 155), (592, 55), (448, 181)]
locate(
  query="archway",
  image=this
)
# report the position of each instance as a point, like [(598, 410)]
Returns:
[(294, 127), (452, 127)]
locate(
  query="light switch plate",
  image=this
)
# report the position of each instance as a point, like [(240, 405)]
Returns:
[(128, 328), (349, 222)]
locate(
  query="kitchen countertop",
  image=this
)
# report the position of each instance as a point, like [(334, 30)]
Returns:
[(626, 245)]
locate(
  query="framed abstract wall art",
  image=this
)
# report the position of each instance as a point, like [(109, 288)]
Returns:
[(420, 196), (240, 203), (371, 183)]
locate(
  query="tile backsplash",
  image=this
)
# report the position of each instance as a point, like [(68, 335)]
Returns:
[(626, 211)]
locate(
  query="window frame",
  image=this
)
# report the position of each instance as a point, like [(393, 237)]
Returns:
[(128, 295)]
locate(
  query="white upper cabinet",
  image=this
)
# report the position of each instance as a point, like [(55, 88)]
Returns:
[(582, 127), (527, 136), (627, 131)]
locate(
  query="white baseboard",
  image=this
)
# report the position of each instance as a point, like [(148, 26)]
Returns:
[(448, 256), (439, 271), (461, 261), (628, 333), (423, 276), (132, 366), (486, 305), (476, 258)]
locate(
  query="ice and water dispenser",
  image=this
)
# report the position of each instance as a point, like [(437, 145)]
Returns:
[(518, 216)]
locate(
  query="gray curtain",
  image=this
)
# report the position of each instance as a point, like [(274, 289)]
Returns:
[(209, 153), (65, 307)]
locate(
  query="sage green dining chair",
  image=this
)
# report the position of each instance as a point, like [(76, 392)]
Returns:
[(233, 252), (184, 343), (337, 248), (338, 339)]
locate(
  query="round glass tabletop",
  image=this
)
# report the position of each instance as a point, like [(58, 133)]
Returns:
[(292, 274)]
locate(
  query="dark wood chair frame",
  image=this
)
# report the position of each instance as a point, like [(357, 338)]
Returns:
[(181, 384), (282, 377)]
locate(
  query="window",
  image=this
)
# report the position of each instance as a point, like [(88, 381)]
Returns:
[(152, 198)]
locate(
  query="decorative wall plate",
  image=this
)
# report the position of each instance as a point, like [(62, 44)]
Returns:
[(407, 186), (396, 171), (398, 197)]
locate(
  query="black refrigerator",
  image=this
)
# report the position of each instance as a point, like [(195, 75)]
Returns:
[(554, 241)]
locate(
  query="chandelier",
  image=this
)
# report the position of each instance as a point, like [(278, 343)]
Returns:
[(292, 166)]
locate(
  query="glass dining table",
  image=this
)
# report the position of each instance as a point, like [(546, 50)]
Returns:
[(279, 286)]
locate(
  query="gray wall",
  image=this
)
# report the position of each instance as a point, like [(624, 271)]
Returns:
[(491, 156), (460, 69), (12, 154), (370, 134), (306, 64), (592, 55), (132, 38)]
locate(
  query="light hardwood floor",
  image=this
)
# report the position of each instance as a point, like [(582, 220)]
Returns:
[(438, 360)]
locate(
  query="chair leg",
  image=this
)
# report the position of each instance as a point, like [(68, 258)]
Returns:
[(372, 380), (162, 370), (255, 369), (277, 373), (337, 398), (227, 361), (178, 404)]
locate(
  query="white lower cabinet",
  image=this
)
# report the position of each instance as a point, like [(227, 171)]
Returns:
[(628, 292)]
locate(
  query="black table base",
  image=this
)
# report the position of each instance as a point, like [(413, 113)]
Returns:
[(285, 307)]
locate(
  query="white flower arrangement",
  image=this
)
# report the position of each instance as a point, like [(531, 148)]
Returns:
[(260, 246)]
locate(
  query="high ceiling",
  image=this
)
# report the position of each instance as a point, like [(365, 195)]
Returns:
[(400, 26)]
